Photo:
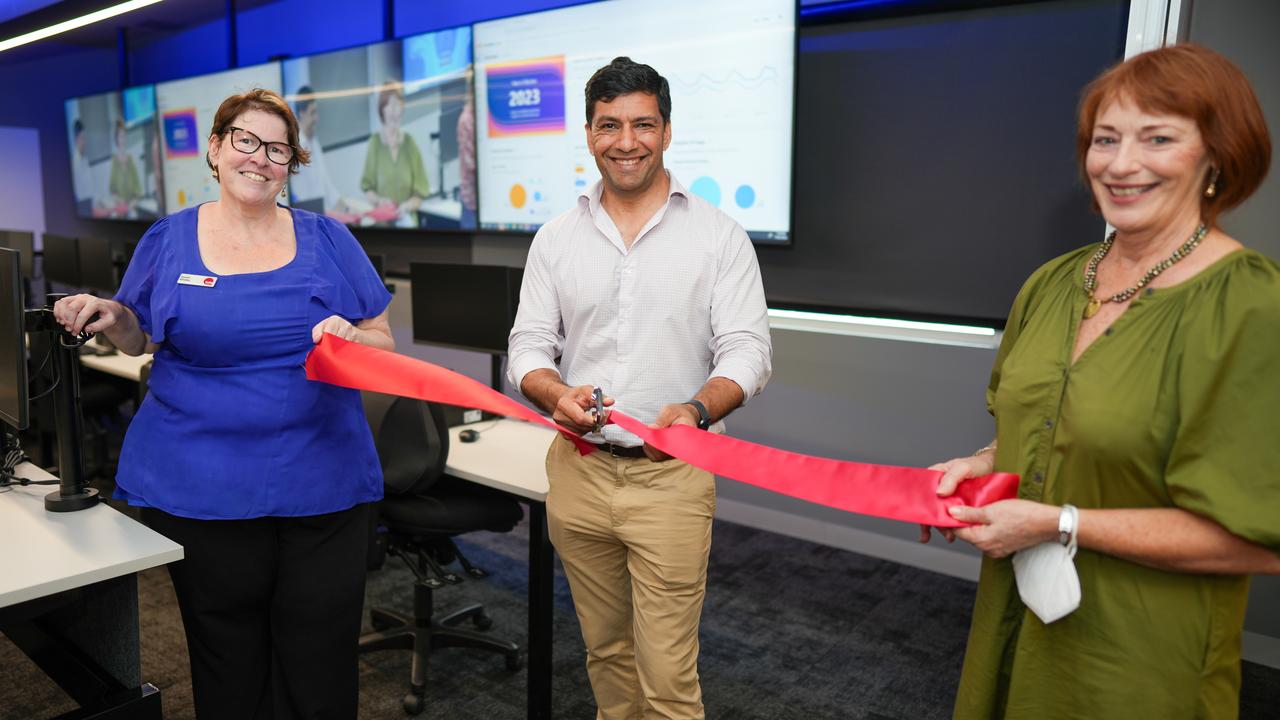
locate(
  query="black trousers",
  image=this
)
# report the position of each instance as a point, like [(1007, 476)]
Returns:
[(272, 610)]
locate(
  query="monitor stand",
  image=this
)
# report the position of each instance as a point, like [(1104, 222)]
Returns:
[(73, 491)]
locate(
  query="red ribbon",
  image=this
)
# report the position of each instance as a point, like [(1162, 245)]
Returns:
[(888, 491)]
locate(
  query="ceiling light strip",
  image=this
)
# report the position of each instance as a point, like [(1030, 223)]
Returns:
[(74, 23)]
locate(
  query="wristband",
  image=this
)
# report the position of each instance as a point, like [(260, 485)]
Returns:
[(704, 417), (1068, 525)]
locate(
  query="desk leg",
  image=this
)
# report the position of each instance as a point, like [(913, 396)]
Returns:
[(541, 608)]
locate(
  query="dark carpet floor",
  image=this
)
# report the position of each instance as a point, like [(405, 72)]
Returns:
[(791, 631)]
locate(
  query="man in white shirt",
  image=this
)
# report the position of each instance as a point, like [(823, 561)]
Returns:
[(312, 182), (650, 293)]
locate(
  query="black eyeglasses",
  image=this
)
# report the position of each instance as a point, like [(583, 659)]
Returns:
[(248, 143)]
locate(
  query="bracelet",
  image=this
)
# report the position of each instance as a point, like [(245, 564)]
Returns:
[(991, 447), (1068, 525)]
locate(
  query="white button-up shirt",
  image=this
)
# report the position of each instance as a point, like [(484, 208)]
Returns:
[(650, 324)]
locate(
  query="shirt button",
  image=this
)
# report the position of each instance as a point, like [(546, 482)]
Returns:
[(1038, 477), (1048, 424)]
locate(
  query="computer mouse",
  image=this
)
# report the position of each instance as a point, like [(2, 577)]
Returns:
[(468, 435)]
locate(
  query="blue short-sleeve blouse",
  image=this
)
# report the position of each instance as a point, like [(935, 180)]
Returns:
[(231, 428)]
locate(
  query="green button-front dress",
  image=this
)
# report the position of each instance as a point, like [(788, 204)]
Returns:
[(1177, 405), (398, 179)]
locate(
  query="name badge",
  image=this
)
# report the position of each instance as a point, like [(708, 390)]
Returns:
[(197, 280)]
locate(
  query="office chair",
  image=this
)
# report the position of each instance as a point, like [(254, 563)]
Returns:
[(422, 510)]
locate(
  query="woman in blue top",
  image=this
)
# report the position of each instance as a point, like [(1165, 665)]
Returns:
[(261, 475)]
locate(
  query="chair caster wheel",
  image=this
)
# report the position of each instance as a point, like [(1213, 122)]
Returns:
[(514, 662), (413, 703), (482, 621)]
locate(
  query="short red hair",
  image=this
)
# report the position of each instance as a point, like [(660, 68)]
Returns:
[(1194, 82)]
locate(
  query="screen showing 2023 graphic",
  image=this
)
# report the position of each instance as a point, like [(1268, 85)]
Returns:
[(731, 94)]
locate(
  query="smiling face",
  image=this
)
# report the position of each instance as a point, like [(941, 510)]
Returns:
[(627, 137), (250, 178), (1147, 170), (392, 112)]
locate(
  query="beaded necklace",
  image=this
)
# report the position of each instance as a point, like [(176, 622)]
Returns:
[(1091, 271)]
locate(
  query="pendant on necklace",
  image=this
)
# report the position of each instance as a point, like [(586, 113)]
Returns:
[(1092, 307)]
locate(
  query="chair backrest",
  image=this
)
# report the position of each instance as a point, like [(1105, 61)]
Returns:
[(412, 443)]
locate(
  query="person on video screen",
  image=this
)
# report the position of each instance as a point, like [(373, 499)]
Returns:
[(394, 179)]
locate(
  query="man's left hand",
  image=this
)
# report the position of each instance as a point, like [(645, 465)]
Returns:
[(675, 414)]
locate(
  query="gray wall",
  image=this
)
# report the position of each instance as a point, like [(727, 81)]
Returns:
[(1245, 31)]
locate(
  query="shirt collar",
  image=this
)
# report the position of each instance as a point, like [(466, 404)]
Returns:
[(590, 198)]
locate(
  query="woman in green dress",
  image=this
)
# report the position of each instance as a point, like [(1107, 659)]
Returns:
[(394, 174), (123, 185), (1136, 381)]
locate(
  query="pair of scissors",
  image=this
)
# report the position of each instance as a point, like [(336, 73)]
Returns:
[(598, 411)]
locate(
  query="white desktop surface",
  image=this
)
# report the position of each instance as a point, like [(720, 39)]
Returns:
[(48, 552), (509, 455), (441, 207), (119, 364)]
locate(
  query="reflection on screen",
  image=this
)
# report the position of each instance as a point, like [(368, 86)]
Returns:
[(731, 96), (388, 133), (186, 109), (115, 155)]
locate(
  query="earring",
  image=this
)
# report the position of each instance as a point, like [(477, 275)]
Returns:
[(1212, 190), (215, 174), (284, 191)]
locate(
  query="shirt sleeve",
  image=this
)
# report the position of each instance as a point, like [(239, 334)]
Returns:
[(138, 288), (369, 178), (537, 336), (421, 186), (741, 349), (1224, 460), (346, 283)]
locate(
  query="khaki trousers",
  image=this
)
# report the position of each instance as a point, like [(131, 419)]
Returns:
[(634, 537)]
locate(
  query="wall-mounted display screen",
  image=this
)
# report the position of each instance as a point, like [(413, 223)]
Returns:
[(390, 128), (115, 155), (186, 109), (730, 65)]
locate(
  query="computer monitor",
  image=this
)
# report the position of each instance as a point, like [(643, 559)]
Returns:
[(13, 346), (25, 243), (471, 307), (379, 264), (130, 247), (61, 260), (97, 265)]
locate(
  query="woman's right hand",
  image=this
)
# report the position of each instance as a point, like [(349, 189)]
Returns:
[(75, 313), (954, 472)]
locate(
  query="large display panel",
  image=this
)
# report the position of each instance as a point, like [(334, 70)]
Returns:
[(115, 154), (935, 160), (390, 128), (730, 65), (186, 108)]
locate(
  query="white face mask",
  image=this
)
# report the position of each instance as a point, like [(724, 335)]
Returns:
[(1047, 580)]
